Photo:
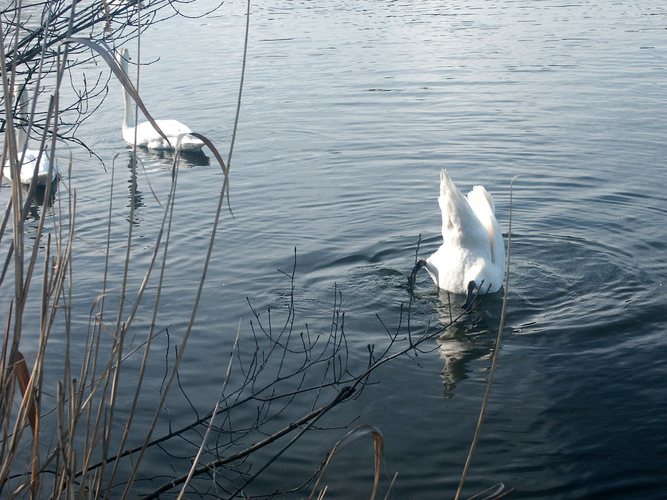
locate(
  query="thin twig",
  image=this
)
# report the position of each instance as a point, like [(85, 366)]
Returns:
[(496, 350)]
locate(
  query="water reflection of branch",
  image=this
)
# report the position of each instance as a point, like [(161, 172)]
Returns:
[(323, 375)]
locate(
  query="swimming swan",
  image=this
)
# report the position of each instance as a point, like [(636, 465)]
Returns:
[(31, 155), (471, 259), (146, 135)]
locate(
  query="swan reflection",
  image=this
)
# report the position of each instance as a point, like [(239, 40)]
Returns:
[(466, 345), (150, 161), (164, 159), (40, 198), (135, 196)]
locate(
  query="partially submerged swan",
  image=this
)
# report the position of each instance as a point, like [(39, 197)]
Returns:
[(471, 259), (47, 169), (146, 135)]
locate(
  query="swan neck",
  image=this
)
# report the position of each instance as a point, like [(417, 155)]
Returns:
[(129, 119), (21, 111)]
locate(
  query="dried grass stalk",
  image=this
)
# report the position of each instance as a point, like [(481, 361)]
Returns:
[(355, 434)]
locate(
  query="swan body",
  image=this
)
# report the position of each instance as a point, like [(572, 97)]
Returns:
[(146, 136), (27, 166), (472, 255)]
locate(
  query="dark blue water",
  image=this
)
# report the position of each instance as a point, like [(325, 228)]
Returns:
[(349, 111)]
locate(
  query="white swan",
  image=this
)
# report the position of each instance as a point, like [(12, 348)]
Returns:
[(31, 155), (146, 135), (471, 258)]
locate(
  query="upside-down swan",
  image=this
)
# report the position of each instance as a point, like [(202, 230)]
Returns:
[(471, 259)]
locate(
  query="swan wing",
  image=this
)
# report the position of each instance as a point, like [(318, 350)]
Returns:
[(460, 224), (173, 128), (481, 201), (482, 205), (149, 137), (145, 133)]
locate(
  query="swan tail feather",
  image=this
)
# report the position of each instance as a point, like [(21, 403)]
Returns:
[(453, 205)]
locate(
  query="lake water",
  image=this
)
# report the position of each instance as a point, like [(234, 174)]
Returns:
[(350, 109)]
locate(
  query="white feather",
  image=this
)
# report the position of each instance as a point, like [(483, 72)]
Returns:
[(472, 248), (27, 166), (146, 135)]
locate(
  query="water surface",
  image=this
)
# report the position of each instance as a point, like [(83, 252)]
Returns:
[(349, 111)]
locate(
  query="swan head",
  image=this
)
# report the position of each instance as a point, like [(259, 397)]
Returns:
[(413, 275), (480, 279), (122, 56), (471, 293), (475, 289)]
